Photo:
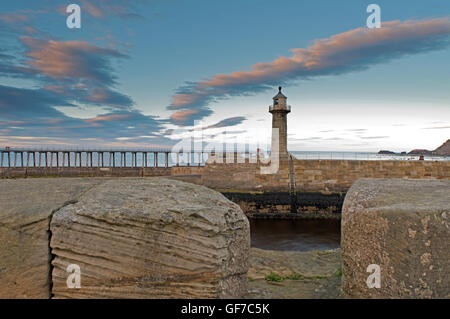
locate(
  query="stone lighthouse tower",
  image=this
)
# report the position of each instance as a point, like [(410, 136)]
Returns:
[(279, 111)]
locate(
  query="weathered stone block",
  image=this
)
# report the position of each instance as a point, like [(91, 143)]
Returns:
[(151, 238), (26, 206), (404, 227)]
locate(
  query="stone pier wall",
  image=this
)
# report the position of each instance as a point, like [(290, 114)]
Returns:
[(318, 175), (309, 205), (22, 172), (339, 175), (186, 170), (329, 176)]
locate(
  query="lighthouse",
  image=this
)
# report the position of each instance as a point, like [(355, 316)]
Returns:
[(279, 110)]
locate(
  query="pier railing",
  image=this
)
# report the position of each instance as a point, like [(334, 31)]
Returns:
[(146, 158), (119, 157), (94, 157)]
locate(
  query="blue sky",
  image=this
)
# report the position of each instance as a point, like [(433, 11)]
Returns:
[(140, 73)]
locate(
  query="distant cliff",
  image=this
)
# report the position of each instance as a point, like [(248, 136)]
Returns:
[(420, 152), (385, 152), (444, 149)]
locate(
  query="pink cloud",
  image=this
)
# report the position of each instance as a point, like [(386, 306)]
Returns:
[(56, 89), (13, 17), (75, 59), (354, 50), (75, 69), (98, 95), (31, 30), (54, 121), (183, 116), (92, 9), (106, 8), (107, 118)]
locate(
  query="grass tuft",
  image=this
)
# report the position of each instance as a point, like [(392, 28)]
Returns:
[(273, 277), (294, 276)]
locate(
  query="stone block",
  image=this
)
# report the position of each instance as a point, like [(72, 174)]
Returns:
[(151, 238), (403, 226), (26, 206)]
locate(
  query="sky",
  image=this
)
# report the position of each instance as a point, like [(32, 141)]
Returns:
[(147, 73)]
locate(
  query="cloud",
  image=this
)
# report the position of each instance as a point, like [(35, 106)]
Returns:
[(18, 103), (13, 18), (93, 9), (188, 117), (356, 130), (100, 9), (234, 132), (350, 51), (327, 131), (373, 137), (225, 133), (103, 96), (81, 72), (31, 30), (75, 69), (8, 67), (231, 121), (110, 117), (313, 138), (70, 59), (67, 74), (123, 9), (26, 113), (436, 128)]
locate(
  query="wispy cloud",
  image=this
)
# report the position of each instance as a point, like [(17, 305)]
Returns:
[(327, 131), (70, 59), (100, 9), (373, 137), (313, 138), (74, 74), (354, 50), (93, 9), (436, 128), (188, 117), (26, 113), (231, 121), (18, 103), (356, 130), (79, 70), (13, 17)]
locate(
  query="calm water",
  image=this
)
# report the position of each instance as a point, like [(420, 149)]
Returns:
[(366, 156), (299, 235)]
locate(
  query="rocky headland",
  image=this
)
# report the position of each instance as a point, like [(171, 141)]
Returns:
[(443, 150)]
